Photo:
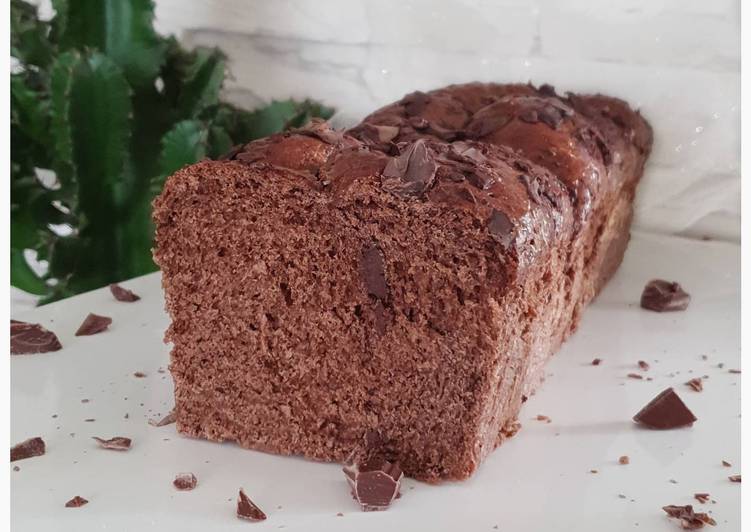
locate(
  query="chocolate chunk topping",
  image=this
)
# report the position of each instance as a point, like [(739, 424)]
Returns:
[(27, 449), (689, 519), (529, 115), (695, 384), (246, 509), (378, 134), (664, 296), (666, 411), (412, 172), (501, 228), (551, 116), (321, 130), (485, 124), (415, 103), (31, 338), (123, 294), (76, 502), (373, 273), (93, 324), (118, 443), (374, 483), (185, 481), (547, 90), (166, 420)]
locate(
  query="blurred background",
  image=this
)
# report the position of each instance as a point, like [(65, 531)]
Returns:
[(85, 168)]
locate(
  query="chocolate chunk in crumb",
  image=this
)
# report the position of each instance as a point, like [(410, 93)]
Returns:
[(123, 294), (374, 483), (27, 449), (373, 273), (689, 519), (31, 338), (695, 384), (76, 502), (118, 443), (93, 324), (666, 411), (185, 481), (664, 296), (501, 228), (246, 509)]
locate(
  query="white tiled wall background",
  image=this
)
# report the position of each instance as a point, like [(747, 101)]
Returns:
[(677, 60)]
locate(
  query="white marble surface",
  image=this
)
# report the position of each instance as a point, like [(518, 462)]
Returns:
[(538, 480), (678, 60)]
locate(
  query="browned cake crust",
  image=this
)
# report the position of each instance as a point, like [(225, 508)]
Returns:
[(394, 281)]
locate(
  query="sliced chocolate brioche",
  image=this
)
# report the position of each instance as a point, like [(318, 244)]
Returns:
[(322, 290), (595, 145)]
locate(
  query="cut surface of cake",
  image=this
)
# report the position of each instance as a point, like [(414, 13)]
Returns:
[(401, 279)]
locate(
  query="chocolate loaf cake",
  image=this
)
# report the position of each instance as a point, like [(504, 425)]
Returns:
[(401, 283)]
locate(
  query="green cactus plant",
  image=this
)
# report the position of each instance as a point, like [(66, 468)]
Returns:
[(110, 108)]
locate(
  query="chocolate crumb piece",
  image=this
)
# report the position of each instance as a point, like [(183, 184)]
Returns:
[(726, 463), (621, 496), (546, 419), (93, 324), (689, 519), (246, 509), (31, 338), (634, 376), (16, 468), (76, 502), (596, 361), (185, 481), (374, 483), (695, 384), (624, 460), (704, 357), (339, 514), (27, 449), (166, 420), (123, 294), (721, 365), (118, 443), (643, 365), (701, 497), (734, 478), (673, 481), (139, 374), (664, 296), (736, 371), (666, 411), (593, 471), (90, 420)]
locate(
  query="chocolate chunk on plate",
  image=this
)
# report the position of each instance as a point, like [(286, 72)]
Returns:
[(374, 483), (93, 324), (118, 443), (185, 481), (689, 519), (166, 420), (123, 294), (76, 502), (734, 478), (701, 497), (246, 509), (666, 411), (31, 338), (664, 296), (27, 449)]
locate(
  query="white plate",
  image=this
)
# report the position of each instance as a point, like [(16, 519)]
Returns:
[(539, 480)]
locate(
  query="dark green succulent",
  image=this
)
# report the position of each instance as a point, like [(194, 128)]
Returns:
[(106, 108)]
